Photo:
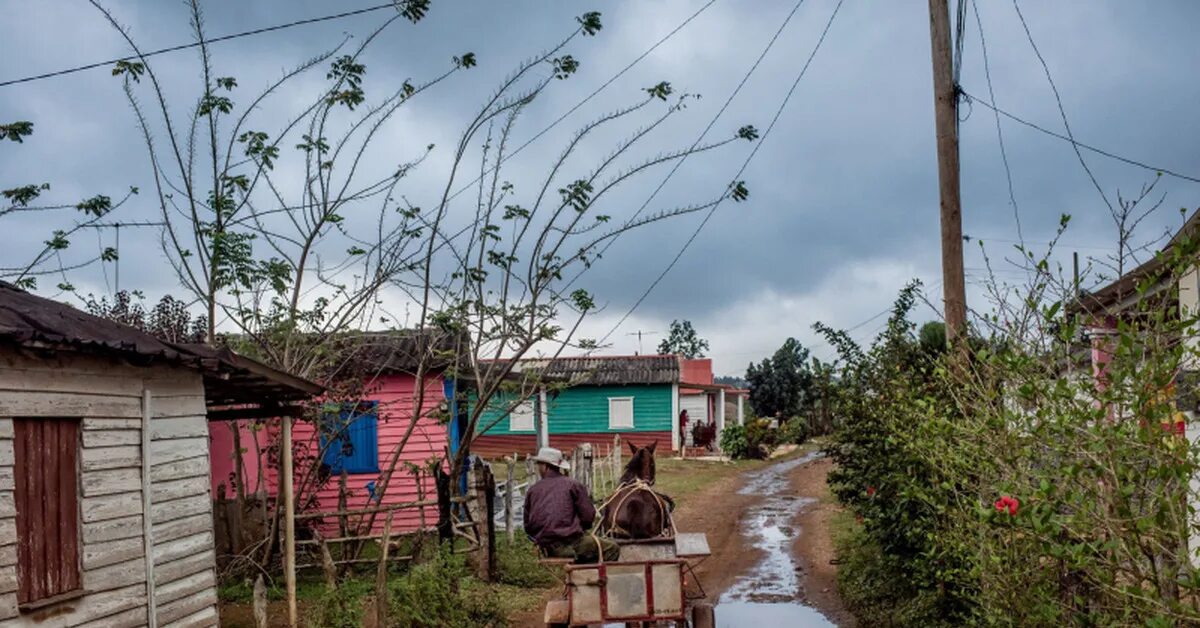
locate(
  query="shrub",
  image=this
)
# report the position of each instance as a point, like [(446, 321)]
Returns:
[(1011, 485), (753, 440), (794, 431), (517, 563), (733, 442), (442, 594), (343, 607)]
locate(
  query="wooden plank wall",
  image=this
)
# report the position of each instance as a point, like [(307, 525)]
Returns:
[(107, 396)]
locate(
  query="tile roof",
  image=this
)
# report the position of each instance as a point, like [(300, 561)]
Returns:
[(607, 370)]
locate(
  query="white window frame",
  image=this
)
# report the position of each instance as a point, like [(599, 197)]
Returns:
[(521, 417), (613, 423)]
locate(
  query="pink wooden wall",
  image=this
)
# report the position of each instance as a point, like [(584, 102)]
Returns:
[(396, 397)]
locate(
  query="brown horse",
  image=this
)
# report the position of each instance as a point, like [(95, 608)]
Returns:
[(635, 510)]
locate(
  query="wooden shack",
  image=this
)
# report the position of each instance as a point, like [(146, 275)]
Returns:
[(105, 511)]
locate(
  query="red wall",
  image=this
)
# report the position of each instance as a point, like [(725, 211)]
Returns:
[(396, 397), (698, 371)]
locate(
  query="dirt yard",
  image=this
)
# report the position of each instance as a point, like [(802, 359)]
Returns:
[(710, 502)]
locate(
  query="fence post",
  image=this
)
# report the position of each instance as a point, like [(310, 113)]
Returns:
[(510, 465), (485, 494), (328, 567), (441, 481), (419, 543), (618, 452), (381, 591)]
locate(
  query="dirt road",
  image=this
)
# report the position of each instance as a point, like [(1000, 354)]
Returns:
[(769, 530)]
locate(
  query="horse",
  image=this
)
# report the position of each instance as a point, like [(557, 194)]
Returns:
[(635, 510)]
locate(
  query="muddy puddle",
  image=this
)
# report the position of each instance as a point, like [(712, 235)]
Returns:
[(771, 593)]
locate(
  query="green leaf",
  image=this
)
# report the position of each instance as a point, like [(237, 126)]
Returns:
[(659, 91), (466, 61), (16, 131), (132, 69), (589, 22)]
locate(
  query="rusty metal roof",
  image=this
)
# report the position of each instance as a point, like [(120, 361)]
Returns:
[(38, 323), (607, 370)]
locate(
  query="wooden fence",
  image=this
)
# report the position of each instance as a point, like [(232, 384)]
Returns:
[(598, 467)]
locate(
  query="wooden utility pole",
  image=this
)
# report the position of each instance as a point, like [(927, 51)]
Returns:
[(945, 103), (289, 522)]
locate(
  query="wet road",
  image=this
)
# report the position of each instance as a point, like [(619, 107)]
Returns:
[(771, 593)]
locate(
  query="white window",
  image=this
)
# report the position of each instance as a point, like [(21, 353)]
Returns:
[(620, 413), (521, 417)]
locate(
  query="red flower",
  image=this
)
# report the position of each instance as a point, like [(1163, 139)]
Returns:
[(870, 491), (1009, 504)]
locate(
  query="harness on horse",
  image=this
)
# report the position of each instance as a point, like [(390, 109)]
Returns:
[(665, 506)]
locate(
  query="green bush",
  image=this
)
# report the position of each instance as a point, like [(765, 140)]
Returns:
[(794, 431), (343, 606), (442, 594), (1010, 485), (754, 440), (517, 563)]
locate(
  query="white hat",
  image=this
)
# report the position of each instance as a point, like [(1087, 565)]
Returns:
[(552, 457)]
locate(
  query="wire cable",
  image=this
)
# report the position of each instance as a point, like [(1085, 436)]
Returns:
[(745, 164), (987, 73), (1078, 144), (585, 100), (1061, 110), (257, 31), (711, 123)]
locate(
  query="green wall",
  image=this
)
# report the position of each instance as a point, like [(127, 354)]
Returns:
[(584, 410)]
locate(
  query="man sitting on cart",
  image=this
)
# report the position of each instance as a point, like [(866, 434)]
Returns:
[(559, 514)]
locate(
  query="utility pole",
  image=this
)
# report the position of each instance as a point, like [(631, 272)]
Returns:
[(945, 103)]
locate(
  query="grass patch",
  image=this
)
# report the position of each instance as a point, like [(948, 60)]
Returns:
[(683, 478)]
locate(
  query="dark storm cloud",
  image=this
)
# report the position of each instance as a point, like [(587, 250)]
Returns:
[(843, 204)]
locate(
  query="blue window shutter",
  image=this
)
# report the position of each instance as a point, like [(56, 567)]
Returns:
[(362, 433)]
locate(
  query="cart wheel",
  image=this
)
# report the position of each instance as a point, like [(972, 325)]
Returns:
[(703, 616)]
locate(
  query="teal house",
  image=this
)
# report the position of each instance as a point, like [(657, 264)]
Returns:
[(593, 400)]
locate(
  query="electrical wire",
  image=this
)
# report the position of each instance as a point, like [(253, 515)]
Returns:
[(758, 145), (585, 100), (1078, 144), (257, 31), (711, 123), (1061, 110), (987, 73)]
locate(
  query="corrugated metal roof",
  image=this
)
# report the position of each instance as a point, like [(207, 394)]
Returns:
[(607, 370), (35, 322)]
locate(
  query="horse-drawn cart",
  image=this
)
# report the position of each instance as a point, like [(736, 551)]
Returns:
[(653, 583)]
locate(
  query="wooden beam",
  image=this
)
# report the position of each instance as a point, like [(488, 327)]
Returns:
[(269, 411)]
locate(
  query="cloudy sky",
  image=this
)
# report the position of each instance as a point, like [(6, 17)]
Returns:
[(843, 207)]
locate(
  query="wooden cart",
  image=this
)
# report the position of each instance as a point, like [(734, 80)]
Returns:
[(652, 583)]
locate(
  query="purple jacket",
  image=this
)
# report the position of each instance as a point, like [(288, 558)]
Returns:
[(557, 510)]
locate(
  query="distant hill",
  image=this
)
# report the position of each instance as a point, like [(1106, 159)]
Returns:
[(730, 380)]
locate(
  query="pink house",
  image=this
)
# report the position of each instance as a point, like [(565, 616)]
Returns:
[(360, 438)]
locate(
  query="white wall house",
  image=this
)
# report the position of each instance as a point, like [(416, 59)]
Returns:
[(105, 511)]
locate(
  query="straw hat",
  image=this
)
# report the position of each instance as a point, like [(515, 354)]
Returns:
[(552, 457)]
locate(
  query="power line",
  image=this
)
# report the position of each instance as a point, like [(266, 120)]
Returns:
[(1061, 110), (678, 164), (745, 164), (587, 98), (257, 31), (1077, 144), (987, 73)]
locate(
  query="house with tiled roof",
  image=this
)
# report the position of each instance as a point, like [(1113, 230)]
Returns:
[(594, 399)]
